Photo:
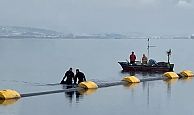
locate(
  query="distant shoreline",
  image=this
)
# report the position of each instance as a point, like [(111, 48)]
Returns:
[(84, 37), (16, 32)]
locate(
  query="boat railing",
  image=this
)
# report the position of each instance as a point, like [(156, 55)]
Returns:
[(138, 63)]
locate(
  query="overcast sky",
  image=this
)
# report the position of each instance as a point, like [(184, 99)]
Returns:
[(159, 17)]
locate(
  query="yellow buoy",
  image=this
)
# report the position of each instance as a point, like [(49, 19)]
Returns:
[(131, 79), (170, 75), (186, 73), (9, 94), (88, 85)]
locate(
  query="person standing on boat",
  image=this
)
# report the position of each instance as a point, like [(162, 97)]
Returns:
[(80, 76), (132, 58), (144, 59), (69, 75)]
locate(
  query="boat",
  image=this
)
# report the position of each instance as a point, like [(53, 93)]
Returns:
[(137, 67), (151, 66)]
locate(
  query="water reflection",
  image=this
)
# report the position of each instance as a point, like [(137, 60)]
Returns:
[(187, 79), (8, 102), (169, 83), (87, 91), (130, 85), (70, 95), (79, 94), (147, 86)]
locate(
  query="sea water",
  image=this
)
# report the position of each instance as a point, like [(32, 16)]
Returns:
[(29, 65)]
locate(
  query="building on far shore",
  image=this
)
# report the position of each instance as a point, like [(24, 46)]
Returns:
[(192, 36)]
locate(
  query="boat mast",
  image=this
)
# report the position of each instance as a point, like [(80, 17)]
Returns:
[(148, 48)]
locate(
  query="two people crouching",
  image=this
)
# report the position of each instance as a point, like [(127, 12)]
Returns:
[(69, 77)]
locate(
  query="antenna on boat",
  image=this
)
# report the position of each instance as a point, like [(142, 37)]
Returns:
[(148, 48)]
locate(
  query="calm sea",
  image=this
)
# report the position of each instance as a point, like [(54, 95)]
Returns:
[(27, 65)]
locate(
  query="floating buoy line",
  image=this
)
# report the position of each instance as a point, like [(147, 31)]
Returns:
[(9, 94)]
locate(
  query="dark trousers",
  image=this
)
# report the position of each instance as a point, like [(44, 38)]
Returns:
[(132, 62)]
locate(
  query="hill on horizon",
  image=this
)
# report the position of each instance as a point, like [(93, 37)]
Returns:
[(26, 31)]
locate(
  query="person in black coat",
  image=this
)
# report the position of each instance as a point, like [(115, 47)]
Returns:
[(69, 75), (80, 76)]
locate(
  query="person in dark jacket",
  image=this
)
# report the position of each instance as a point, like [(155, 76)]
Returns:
[(80, 76), (69, 75)]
